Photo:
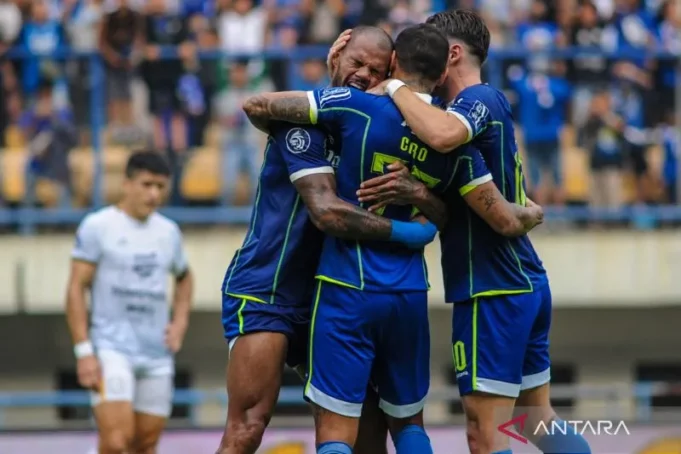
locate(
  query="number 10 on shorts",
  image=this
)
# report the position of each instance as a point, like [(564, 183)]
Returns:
[(459, 353)]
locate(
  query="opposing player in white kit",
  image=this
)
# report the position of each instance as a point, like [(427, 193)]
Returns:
[(123, 255)]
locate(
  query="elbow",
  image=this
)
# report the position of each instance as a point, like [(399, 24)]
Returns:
[(250, 106), (509, 228), (326, 219), (444, 141)]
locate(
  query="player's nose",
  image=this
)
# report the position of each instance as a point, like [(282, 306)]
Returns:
[(363, 72)]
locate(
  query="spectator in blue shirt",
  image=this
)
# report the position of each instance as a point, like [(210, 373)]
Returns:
[(42, 37), (52, 136), (538, 33), (542, 101)]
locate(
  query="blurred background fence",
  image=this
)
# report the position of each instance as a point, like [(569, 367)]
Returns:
[(85, 82)]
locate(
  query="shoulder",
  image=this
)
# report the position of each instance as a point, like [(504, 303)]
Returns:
[(164, 224), (97, 222), (100, 216), (296, 138)]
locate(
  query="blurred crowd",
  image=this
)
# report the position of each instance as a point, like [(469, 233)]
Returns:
[(618, 111)]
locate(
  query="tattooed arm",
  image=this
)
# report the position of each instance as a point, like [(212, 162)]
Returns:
[(290, 106), (507, 219), (336, 217)]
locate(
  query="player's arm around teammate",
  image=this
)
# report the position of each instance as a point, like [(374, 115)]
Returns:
[(438, 128), (328, 212), (481, 194)]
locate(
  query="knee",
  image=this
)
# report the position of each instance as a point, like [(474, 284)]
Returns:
[(144, 445), (115, 442), (480, 436)]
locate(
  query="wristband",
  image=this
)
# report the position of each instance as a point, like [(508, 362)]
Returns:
[(401, 231), (393, 86), (83, 349)]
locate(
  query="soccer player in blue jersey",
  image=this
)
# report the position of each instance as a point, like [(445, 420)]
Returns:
[(370, 318), (267, 290), (498, 285)]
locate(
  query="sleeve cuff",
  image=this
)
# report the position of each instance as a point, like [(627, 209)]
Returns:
[(305, 172), (465, 122), (83, 257), (463, 190), (314, 110)]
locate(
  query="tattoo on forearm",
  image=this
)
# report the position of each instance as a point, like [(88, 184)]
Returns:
[(487, 197), (337, 217), (295, 109), (348, 221)]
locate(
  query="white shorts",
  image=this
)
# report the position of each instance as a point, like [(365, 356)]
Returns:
[(147, 383)]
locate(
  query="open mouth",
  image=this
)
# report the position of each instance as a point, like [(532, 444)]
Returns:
[(357, 84)]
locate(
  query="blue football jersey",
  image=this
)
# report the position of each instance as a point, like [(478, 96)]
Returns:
[(374, 134), (280, 254), (477, 261)]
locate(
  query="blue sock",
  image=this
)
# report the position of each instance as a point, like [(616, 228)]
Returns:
[(413, 440), (508, 451), (566, 443), (334, 447)]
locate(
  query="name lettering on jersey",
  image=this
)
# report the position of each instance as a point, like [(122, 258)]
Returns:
[(416, 151), (298, 140), (479, 113), (331, 95)]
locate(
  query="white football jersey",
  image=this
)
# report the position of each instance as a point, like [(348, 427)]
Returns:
[(130, 291)]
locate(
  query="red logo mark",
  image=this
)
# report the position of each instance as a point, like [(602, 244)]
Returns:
[(507, 428)]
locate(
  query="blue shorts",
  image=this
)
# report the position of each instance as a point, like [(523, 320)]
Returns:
[(501, 343), (364, 337), (241, 316)]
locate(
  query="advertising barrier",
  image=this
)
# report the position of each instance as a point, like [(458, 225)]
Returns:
[(639, 440)]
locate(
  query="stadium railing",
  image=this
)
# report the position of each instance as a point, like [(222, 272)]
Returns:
[(610, 396), (28, 218)]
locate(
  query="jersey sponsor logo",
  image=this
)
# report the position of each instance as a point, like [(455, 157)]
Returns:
[(478, 114), (298, 140), (144, 264), (331, 95)]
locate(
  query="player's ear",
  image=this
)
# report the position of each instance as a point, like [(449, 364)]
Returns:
[(454, 53)]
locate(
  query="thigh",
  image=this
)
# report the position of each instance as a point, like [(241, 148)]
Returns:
[(118, 379), (537, 361), (254, 372), (113, 404), (154, 395), (489, 339), (341, 350), (402, 368), (153, 406)]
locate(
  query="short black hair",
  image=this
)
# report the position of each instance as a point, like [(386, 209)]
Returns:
[(466, 26), (147, 161), (422, 51), (380, 37)]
